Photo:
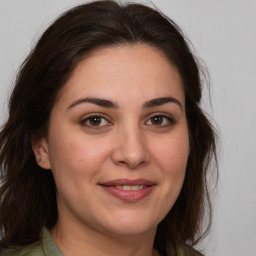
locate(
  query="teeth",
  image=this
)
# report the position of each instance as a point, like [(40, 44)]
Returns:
[(128, 187)]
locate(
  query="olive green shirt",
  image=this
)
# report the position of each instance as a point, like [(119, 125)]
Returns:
[(47, 247)]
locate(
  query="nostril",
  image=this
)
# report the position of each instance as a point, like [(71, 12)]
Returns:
[(131, 165), (122, 163)]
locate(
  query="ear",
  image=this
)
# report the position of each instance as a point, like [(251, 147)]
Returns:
[(41, 152)]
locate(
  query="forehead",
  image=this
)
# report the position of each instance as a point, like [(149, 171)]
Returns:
[(124, 72)]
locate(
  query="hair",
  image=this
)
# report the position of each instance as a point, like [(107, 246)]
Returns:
[(28, 193)]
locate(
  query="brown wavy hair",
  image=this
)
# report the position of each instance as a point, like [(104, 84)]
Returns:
[(28, 193)]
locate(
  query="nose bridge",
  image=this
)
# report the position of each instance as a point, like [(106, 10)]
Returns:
[(131, 146)]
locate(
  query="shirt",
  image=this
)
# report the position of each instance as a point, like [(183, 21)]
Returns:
[(45, 247)]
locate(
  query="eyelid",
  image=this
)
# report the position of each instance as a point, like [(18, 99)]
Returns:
[(169, 117), (91, 115), (171, 120)]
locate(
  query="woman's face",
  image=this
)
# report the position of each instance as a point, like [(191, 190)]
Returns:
[(118, 141)]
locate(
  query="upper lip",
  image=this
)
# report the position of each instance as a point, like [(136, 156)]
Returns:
[(119, 182)]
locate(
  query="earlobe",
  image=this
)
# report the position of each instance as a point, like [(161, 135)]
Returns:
[(40, 148)]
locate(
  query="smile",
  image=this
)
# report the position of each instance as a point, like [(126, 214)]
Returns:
[(129, 190), (127, 187)]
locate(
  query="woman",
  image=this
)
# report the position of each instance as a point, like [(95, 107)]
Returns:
[(106, 149)]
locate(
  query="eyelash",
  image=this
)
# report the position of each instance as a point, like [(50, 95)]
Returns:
[(165, 118), (90, 118), (170, 120)]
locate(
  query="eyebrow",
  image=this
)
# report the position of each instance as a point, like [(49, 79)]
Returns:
[(97, 101), (161, 101), (109, 104)]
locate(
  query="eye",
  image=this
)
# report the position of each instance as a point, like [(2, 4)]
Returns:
[(161, 120), (95, 121)]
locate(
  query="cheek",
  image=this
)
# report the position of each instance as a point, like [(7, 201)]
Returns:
[(75, 156), (173, 155), (172, 159), (75, 166)]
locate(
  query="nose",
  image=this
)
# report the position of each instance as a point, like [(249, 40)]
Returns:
[(130, 149)]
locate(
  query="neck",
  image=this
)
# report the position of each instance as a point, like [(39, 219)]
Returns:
[(78, 240)]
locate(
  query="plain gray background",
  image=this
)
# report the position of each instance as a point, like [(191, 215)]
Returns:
[(224, 35)]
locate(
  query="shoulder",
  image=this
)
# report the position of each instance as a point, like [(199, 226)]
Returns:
[(46, 246), (187, 250), (30, 250)]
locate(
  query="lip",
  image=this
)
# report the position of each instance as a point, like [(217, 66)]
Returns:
[(128, 182), (129, 195)]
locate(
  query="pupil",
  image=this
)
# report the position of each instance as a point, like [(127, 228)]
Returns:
[(95, 120), (157, 120)]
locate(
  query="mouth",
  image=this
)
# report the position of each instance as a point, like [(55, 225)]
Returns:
[(127, 187), (126, 184), (129, 190)]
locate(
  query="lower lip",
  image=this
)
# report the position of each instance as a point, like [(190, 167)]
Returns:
[(129, 195)]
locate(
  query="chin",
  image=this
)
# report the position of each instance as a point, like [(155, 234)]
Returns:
[(129, 226)]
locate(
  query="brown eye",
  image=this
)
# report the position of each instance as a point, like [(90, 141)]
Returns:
[(157, 120), (95, 120), (161, 120)]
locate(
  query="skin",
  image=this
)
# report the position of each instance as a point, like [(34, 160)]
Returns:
[(126, 142)]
